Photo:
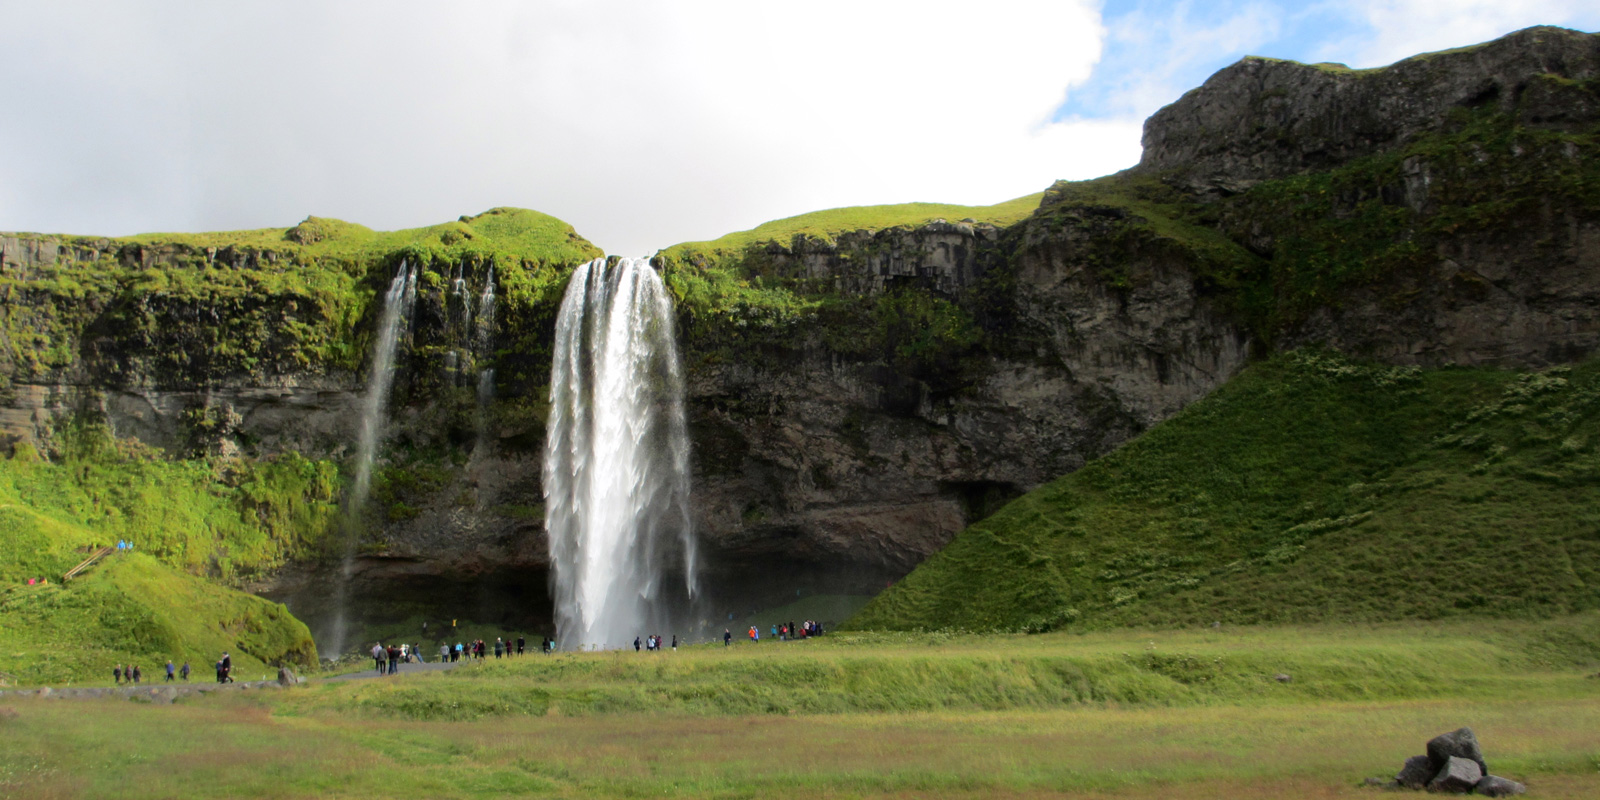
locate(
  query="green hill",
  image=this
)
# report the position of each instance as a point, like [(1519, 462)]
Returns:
[(1307, 489), (128, 609)]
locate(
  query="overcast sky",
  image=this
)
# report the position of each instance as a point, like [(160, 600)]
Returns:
[(642, 123)]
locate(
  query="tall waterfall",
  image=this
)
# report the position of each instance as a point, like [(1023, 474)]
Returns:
[(616, 471), (484, 346), (397, 305)]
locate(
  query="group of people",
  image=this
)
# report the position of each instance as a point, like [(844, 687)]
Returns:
[(781, 632), (389, 659), (652, 643), (133, 675)]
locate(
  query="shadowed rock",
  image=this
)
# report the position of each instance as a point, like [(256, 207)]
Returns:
[(1458, 776), (1416, 773), (1460, 743)]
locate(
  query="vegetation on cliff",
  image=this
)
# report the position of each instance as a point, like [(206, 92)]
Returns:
[(1310, 488), (174, 309)]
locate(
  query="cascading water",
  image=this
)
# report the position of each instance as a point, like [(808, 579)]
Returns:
[(616, 472), (485, 343), (397, 305)]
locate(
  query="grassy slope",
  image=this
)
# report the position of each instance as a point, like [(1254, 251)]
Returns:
[(128, 609), (1309, 488)]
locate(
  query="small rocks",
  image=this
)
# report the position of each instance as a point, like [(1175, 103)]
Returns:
[(1453, 765), (1282, 677), (1496, 786)]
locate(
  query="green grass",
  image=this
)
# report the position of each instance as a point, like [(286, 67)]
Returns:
[(999, 716), (1310, 488), (132, 609)]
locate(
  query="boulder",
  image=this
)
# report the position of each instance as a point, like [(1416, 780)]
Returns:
[(1459, 776), (1496, 786), (286, 677), (1416, 773), (1459, 743)]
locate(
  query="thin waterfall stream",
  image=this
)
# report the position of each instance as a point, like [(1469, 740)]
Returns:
[(398, 303), (616, 471)]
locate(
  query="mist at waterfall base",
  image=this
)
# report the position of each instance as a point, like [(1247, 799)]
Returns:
[(616, 470)]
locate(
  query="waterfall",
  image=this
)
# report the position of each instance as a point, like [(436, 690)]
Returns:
[(485, 345), (397, 306), (616, 472)]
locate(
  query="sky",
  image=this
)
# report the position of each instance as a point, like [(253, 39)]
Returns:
[(642, 122)]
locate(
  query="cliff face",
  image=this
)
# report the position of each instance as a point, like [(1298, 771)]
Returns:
[(1262, 119), (858, 398)]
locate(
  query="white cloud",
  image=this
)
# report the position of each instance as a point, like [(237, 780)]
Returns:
[(1403, 28), (642, 123)]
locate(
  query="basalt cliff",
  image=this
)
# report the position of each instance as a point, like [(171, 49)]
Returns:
[(859, 392)]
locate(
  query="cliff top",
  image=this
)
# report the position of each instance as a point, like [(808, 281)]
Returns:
[(825, 225), (502, 232), (1262, 118)]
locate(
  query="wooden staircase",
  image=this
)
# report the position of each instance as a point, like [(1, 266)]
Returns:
[(87, 563)]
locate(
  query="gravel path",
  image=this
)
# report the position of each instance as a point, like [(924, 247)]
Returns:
[(402, 669)]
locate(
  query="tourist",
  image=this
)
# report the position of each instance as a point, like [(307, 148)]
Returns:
[(227, 668), (674, 642), (519, 645), (137, 675), (727, 637), (444, 653), (499, 646), (394, 659), (220, 679), (459, 650), (416, 653), (635, 644), (116, 674), (184, 672), (170, 670), (378, 654)]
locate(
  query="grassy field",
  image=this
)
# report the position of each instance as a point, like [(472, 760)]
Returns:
[(987, 724)]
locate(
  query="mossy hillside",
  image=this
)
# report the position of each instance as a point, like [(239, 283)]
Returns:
[(193, 309), (132, 609), (225, 518), (1309, 488)]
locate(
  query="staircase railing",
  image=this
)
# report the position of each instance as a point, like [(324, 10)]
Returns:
[(87, 563)]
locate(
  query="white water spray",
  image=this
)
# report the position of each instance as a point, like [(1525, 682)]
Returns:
[(616, 473)]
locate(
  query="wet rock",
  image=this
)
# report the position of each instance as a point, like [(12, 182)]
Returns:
[(1458, 776), (1496, 786), (1459, 743), (1416, 773)]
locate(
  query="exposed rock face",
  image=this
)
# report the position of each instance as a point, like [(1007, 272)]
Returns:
[(1262, 118)]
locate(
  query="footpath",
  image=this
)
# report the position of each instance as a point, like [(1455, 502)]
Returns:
[(155, 693)]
